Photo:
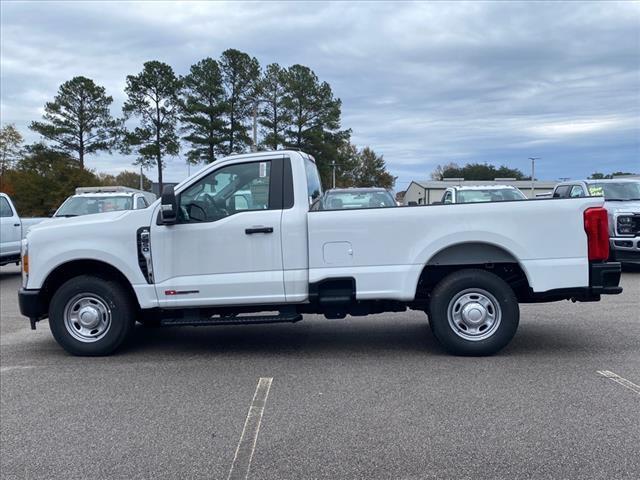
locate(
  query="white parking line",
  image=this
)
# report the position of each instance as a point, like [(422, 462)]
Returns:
[(15, 367), (247, 443), (622, 381)]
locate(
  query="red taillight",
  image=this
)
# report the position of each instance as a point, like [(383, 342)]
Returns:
[(596, 225)]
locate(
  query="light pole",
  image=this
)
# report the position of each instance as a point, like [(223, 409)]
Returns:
[(533, 172), (256, 101), (333, 166)]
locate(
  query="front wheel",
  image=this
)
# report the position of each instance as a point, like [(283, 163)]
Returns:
[(473, 312), (91, 316)]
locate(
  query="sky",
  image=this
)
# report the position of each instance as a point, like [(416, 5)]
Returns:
[(421, 83)]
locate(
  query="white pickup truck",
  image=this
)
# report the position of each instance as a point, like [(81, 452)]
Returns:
[(199, 257), (12, 230)]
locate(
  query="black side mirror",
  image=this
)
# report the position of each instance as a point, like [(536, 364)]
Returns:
[(168, 206)]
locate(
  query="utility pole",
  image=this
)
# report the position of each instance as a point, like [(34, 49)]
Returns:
[(254, 146), (533, 172), (334, 165)]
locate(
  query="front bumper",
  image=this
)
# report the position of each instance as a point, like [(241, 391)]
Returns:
[(625, 249), (32, 305)]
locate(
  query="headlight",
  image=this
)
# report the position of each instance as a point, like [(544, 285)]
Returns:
[(624, 225)]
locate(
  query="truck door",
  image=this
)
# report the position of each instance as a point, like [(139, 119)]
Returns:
[(10, 229), (226, 247)]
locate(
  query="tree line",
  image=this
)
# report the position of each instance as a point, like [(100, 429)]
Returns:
[(219, 107), (476, 171)]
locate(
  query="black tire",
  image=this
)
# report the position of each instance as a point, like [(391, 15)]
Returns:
[(105, 293), (452, 291)]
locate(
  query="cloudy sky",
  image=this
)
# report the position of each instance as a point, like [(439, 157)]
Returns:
[(421, 83)]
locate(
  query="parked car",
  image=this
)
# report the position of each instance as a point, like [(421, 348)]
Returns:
[(622, 201), (12, 230), (193, 259), (88, 200), (346, 198), (481, 193)]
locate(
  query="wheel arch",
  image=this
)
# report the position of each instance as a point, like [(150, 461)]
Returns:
[(87, 266), (474, 254)]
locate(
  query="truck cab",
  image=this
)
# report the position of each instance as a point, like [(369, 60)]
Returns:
[(622, 202), (238, 243)]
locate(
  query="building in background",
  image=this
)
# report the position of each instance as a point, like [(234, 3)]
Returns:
[(429, 191)]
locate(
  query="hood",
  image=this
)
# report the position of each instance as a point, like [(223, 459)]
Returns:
[(632, 206), (92, 219)]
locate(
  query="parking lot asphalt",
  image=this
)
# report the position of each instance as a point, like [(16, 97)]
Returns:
[(363, 398)]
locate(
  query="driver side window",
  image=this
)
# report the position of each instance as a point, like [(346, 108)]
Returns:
[(236, 188)]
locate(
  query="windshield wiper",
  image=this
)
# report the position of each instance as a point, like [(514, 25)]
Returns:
[(66, 215)]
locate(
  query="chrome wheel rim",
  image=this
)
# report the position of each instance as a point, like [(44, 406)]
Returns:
[(474, 314), (87, 317)]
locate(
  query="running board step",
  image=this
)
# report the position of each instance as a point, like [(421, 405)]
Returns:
[(195, 319)]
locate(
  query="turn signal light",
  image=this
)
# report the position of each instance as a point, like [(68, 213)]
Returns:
[(596, 224), (25, 264)]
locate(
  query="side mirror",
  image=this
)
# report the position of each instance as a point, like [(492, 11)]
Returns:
[(168, 206)]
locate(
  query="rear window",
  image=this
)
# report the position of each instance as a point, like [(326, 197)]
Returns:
[(85, 205), (314, 187), (624, 191), (489, 195), (346, 200)]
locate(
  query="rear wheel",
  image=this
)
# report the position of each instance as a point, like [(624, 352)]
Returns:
[(91, 316), (473, 312)]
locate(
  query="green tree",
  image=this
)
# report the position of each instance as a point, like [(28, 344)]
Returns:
[(240, 74), (44, 178), (78, 121), (203, 106), (152, 96), (125, 178), (438, 172), (601, 176), (10, 146), (311, 104), (274, 115), (315, 118), (372, 170), (476, 171)]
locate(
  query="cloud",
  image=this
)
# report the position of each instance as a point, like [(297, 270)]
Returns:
[(421, 83)]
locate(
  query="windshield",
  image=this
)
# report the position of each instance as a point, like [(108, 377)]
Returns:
[(85, 204), (343, 200), (616, 191), (489, 195)]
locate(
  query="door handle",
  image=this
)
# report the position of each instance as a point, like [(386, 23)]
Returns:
[(16, 224), (251, 231)]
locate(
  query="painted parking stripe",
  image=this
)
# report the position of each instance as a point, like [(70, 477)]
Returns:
[(15, 367), (247, 444), (622, 381)]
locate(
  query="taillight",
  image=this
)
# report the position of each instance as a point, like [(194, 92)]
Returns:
[(596, 225)]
